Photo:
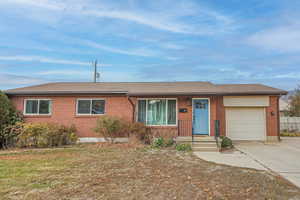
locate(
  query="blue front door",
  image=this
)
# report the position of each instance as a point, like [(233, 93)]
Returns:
[(200, 117)]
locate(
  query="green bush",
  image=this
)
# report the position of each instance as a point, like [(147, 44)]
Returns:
[(226, 142), (45, 135), (158, 142), (5, 108), (8, 118), (183, 147)]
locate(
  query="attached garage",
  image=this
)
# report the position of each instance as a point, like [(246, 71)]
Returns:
[(246, 117), (246, 123)]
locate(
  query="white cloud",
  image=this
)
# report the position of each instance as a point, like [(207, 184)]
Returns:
[(171, 46), (282, 39), (136, 52), (144, 20), (209, 22), (12, 80), (120, 76), (65, 72), (294, 75), (173, 58), (43, 60), (105, 75), (52, 5)]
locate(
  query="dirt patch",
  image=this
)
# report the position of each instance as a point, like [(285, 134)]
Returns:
[(123, 171)]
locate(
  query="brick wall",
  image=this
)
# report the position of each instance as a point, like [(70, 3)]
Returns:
[(272, 114), (221, 115), (64, 111)]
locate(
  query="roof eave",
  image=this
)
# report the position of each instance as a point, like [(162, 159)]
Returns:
[(253, 93), (68, 93), (172, 94), (62, 93)]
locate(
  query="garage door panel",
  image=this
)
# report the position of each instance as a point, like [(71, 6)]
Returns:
[(245, 123), (251, 114)]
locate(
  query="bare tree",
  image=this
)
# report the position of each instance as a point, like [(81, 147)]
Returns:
[(294, 103)]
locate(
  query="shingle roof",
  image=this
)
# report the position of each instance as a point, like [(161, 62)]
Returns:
[(248, 89), (145, 88)]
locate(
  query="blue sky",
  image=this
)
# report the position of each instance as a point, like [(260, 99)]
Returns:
[(232, 41)]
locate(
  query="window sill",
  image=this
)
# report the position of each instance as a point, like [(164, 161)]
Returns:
[(37, 116), (88, 116), (162, 126)]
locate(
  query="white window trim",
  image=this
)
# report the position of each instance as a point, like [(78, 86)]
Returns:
[(90, 114), (171, 125), (38, 107)]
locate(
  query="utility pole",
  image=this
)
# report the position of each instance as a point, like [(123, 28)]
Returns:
[(96, 74)]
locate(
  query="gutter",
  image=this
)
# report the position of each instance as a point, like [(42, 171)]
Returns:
[(209, 94), (24, 93), (63, 93)]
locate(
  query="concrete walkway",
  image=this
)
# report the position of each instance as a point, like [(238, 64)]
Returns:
[(282, 158), (235, 158)]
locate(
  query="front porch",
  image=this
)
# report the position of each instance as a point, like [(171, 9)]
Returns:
[(185, 129)]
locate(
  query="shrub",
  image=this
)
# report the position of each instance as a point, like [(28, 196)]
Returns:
[(10, 135), (5, 108), (8, 118), (169, 142), (183, 147), (46, 135), (166, 133), (290, 134), (139, 132), (110, 127), (226, 142), (158, 142)]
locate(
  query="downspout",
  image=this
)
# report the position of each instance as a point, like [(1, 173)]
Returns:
[(133, 108)]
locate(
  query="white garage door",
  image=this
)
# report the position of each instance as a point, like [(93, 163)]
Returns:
[(246, 123)]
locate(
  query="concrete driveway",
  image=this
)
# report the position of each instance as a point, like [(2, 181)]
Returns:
[(282, 158)]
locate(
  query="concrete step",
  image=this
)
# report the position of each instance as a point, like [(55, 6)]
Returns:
[(195, 139), (204, 144), (205, 149)]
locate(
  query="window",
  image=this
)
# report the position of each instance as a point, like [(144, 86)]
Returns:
[(90, 106), (201, 105), (37, 107), (157, 111)]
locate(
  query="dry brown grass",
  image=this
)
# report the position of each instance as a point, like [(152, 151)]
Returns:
[(127, 171)]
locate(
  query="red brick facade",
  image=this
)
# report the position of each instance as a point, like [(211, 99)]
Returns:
[(272, 114), (64, 112)]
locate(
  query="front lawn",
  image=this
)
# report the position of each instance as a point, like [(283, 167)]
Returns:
[(103, 171)]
